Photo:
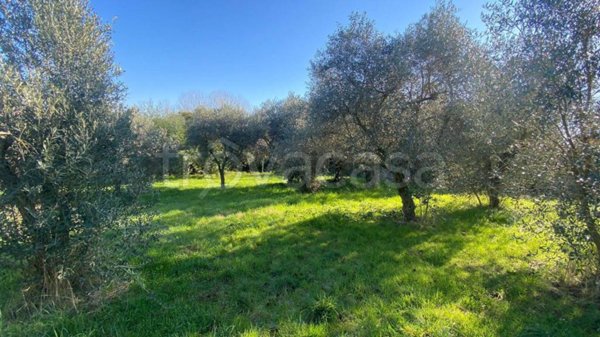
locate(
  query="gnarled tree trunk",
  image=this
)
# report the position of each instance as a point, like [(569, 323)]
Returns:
[(494, 198), (408, 203)]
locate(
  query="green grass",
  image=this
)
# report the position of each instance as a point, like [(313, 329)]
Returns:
[(260, 259)]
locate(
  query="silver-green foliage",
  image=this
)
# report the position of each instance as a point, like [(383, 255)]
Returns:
[(557, 45), (393, 96), (68, 148)]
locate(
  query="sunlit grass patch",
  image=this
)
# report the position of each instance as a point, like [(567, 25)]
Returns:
[(260, 259)]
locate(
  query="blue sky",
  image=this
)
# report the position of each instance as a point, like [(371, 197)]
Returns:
[(257, 50)]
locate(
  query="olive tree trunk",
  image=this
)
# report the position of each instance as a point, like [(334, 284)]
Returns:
[(408, 202), (222, 175)]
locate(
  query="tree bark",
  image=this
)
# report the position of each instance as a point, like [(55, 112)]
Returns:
[(494, 184), (338, 173), (221, 167), (494, 198), (222, 175), (408, 204)]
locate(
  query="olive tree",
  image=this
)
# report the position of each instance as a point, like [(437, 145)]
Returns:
[(279, 119), (298, 146), (66, 148), (390, 94), (222, 134), (487, 132), (290, 137), (558, 45)]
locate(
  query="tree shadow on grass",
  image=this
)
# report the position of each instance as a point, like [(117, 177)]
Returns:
[(356, 274), (378, 278), (279, 275), (535, 308)]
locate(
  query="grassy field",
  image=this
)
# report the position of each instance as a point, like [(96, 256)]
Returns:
[(260, 259)]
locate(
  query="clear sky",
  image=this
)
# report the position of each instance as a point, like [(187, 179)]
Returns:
[(254, 49)]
